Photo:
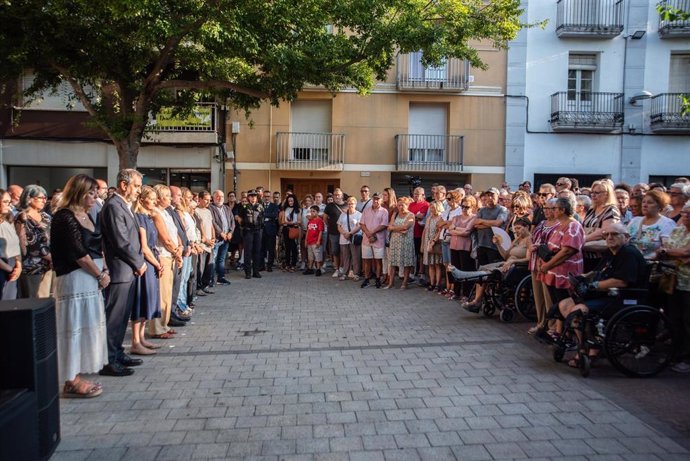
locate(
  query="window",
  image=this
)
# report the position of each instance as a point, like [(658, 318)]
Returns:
[(679, 73), (311, 127), (426, 74), (581, 68), (427, 130)]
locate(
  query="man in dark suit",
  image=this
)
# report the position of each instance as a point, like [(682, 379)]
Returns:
[(125, 261), (270, 233)]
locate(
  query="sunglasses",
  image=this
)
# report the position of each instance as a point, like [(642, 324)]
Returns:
[(541, 194), (465, 207), (560, 184)]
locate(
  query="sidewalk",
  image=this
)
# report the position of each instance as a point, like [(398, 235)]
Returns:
[(294, 367)]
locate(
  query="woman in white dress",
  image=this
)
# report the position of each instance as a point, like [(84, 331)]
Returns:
[(75, 247)]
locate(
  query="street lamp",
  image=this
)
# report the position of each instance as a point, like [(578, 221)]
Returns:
[(235, 131)]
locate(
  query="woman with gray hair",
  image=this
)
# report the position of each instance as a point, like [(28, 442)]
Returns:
[(563, 252), (582, 205), (33, 228), (679, 193)]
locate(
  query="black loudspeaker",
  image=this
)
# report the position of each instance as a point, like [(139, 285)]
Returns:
[(29, 361), (18, 425)]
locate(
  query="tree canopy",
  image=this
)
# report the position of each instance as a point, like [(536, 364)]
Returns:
[(124, 59)]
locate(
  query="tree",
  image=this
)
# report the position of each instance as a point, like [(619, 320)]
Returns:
[(670, 13), (125, 59)]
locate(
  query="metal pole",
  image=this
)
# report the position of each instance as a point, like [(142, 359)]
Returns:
[(234, 162)]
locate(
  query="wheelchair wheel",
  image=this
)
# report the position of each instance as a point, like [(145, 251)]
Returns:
[(638, 341), (488, 308), (524, 299), (558, 353), (507, 315), (585, 365)]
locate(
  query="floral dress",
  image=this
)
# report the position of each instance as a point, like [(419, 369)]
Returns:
[(680, 238), (36, 236), (430, 258), (402, 245), (571, 236)]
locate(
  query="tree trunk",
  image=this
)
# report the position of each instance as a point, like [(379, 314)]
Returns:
[(128, 152)]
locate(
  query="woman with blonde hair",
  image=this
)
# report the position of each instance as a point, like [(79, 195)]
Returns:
[(460, 232), (184, 298), (169, 249), (77, 256), (147, 303), (604, 211), (401, 245), (431, 245)]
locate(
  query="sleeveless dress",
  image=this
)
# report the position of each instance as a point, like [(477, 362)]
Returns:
[(147, 305), (402, 245), (430, 258)]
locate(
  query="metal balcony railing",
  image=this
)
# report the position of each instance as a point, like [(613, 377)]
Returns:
[(202, 119), (678, 28), (666, 113), (590, 18), (423, 152), (586, 111), (310, 151), (452, 75)]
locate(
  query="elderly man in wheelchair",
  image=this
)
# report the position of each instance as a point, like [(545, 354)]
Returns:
[(596, 294)]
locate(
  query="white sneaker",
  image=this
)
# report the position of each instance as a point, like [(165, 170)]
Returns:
[(681, 367), (356, 278), (336, 274)]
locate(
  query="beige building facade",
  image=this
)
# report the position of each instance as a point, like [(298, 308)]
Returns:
[(443, 125)]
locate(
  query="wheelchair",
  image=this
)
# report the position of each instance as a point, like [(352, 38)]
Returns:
[(510, 295), (631, 332)]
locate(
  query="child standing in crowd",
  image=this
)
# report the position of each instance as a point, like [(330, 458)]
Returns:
[(315, 230)]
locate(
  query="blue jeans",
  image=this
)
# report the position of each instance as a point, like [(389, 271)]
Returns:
[(220, 254), (184, 279)]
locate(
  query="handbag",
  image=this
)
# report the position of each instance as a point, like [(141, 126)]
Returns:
[(544, 253), (668, 282), (293, 233), (435, 248)]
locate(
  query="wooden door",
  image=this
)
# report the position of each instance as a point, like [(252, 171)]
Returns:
[(302, 187)]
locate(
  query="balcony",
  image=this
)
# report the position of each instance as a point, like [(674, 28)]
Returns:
[(310, 151), (422, 152), (583, 111), (199, 127), (666, 117), (679, 28), (601, 19), (451, 76)]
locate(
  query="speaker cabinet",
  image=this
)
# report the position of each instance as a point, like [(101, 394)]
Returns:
[(29, 361), (18, 425)]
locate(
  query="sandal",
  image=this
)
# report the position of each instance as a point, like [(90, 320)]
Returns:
[(81, 390), (163, 336), (403, 286)]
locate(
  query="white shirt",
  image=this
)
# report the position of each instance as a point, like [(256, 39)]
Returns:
[(355, 218)]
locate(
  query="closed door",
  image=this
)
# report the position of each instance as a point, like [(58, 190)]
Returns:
[(302, 187)]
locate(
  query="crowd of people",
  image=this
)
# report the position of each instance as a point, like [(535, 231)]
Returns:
[(138, 255)]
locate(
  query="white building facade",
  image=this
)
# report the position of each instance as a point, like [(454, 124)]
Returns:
[(596, 93)]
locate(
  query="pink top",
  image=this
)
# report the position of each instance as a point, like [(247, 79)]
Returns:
[(464, 224), (373, 219), (571, 236)]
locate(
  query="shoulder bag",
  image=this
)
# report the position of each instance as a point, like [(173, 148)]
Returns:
[(357, 238), (293, 232)]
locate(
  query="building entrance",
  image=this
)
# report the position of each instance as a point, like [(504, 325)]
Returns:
[(302, 187)]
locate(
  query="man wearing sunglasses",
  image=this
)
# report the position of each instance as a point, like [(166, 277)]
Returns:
[(546, 191), (622, 266)]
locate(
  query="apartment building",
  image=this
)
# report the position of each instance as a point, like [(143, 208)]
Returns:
[(597, 93), (443, 124), (51, 140)]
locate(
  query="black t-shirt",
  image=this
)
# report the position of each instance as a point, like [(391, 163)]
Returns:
[(333, 212), (628, 265)]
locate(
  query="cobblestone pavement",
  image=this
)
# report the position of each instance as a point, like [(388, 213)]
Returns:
[(293, 367)]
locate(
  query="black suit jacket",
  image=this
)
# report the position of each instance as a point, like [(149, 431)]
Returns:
[(121, 243), (217, 220)]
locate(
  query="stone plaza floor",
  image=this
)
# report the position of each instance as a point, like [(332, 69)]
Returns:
[(293, 367)]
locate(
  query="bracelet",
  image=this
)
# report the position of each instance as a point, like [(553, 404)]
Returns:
[(595, 285), (101, 276)]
